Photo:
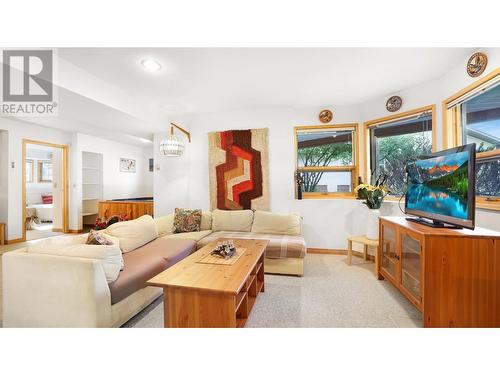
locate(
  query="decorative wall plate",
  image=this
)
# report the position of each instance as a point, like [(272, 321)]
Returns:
[(477, 64), (394, 103), (325, 116)]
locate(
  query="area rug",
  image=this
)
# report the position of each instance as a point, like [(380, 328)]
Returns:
[(238, 168), (330, 294)]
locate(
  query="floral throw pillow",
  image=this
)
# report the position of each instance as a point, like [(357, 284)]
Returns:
[(96, 238), (187, 220)]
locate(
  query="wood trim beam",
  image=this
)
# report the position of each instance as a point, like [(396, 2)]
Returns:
[(186, 133)]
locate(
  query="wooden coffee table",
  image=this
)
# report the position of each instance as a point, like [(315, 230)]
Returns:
[(212, 295)]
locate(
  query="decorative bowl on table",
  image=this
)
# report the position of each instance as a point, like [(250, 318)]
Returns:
[(224, 249)]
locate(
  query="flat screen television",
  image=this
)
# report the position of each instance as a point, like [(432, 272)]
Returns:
[(441, 188)]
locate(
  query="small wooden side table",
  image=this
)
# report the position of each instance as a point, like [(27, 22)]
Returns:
[(2, 234), (365, 242)]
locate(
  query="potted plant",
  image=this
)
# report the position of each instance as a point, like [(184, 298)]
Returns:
[(373, 196)]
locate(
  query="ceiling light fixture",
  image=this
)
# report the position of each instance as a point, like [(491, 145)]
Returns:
[(151, 65), (171, 146)]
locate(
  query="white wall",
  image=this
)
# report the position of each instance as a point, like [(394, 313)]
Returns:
[(57, 188), (183, 182), (147, 176), (17, 130), (35, 189), (4, 170), (116, 184), (434, 93)]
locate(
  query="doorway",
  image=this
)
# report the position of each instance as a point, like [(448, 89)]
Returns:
[(45, 189)]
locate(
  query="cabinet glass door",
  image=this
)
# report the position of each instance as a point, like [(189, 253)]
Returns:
[(389, 252), (410, 265)]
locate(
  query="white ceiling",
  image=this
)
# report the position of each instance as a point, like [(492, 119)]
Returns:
[(126, 99)]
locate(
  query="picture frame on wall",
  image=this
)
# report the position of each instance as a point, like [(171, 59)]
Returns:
[(151, 165), (127, 165)]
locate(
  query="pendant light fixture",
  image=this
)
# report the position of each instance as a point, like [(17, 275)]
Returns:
[(171, 146)]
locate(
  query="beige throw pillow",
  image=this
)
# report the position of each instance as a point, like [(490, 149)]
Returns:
[(133, 233), (237, 221), (165, 225), (268, 222), (206, 220)]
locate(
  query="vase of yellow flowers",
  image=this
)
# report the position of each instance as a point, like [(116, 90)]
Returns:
[(373, 196)]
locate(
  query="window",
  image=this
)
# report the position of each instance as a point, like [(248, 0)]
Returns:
[(44, 171), (473, 116), (327, 159), (481, 120), (29, 171), (396, 141)]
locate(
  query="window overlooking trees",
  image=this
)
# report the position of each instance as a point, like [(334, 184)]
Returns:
[(481, 120), (326, 159), (473, 116), (481, 125), (395, 143)]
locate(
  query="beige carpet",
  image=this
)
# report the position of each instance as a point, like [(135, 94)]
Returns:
[(331, 294)]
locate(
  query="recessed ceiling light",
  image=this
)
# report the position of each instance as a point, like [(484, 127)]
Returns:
[(151, 65)]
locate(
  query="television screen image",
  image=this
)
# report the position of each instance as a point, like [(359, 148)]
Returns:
[(441, 187)]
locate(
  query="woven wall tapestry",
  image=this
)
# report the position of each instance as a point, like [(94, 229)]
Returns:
[(239, 171)]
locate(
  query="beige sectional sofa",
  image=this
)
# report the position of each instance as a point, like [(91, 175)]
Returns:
[(285, 252), (63, 282)]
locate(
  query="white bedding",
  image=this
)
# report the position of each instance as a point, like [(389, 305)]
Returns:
[(44, 212)]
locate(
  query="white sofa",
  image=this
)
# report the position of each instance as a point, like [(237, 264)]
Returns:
[(61, 282), (286, 249)]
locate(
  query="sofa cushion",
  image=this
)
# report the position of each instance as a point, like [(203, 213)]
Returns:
[(195, 236), (186, 221), (280, 246), (268, 222), (165, 224), (237, 220), (146, 262), (206, 220), (109, 256), (133, 233)]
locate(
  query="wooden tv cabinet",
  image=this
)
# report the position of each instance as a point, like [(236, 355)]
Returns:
[(452, 276)]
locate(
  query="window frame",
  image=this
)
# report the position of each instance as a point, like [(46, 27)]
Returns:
[(40, 171), (354, 168), (453, 130), (368, 125)]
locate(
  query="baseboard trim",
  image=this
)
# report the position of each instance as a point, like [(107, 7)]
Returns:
[(15, 240), (57, 230), (75, 231), (315, 250)]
